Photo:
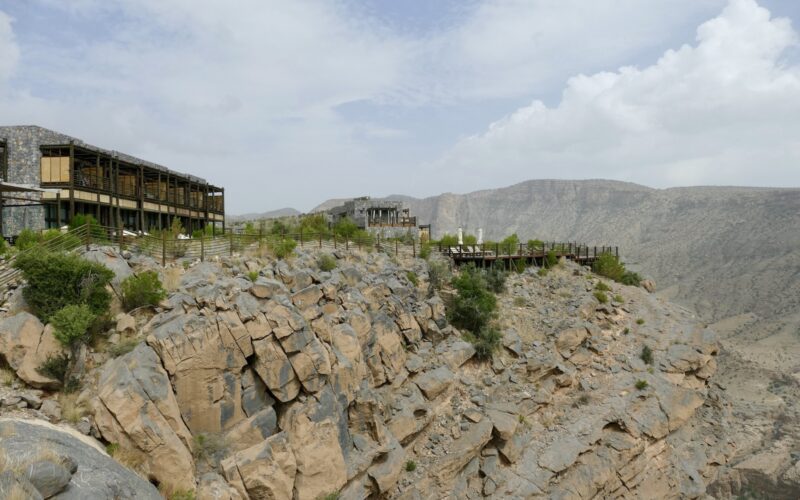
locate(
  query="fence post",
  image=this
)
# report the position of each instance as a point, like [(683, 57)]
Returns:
[(119, 235), (88, 235), (395, 248), (230, 246), (163, 249), (320, 240), (334, 240), (301, 237), (346, 243), (202, 249), (414, 248)]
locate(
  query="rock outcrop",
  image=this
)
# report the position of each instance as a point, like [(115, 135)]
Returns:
[(40, 460), (26, 344)]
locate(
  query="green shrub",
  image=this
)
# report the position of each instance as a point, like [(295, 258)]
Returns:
[(96, 231), (334, 495), (486, 342), (608, 265), (647, 355), (438, 275), (535, 245), (550, 259), (474, 305), (510, 245), (71, 323), (27, 238), (327, 263), (542, 272), (631, 278), (55, 367), (448, 240), (283, 248), (345, 227), (425, 251), (626, 330), (143, 289), (412, 277), (602, 287), (496, 279), (640, 321), (56, 280), (112, 448), (641, 384), (619, 298), (600, 296), (252, 275), (411, 466)]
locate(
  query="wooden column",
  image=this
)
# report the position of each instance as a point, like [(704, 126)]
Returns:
[(71, 181)]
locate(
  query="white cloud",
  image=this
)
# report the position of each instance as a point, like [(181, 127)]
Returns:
[(721, 111), (9, 52)]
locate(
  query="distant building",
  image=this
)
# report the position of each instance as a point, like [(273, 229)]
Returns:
[(49, 177), (388, 218)]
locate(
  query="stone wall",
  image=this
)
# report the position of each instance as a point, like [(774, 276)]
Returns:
[(23, 144)]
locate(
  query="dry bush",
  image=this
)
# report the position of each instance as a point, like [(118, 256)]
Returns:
[(71, 410)]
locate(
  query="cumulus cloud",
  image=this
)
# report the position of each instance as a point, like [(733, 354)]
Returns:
[(9, 52), (721, 111)]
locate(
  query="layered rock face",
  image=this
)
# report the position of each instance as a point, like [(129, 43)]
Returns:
[(304, 383)]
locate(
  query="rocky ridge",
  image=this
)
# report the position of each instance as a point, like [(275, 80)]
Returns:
[(305, 382)]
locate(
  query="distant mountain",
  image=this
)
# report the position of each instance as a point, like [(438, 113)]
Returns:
[(721, 250), (281, 212)]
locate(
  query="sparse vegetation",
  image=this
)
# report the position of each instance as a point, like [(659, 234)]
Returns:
[(626, 330), (208, 445), (124, 347), (510, 245), (542, 272), (143, 289), (182, 495), (412, 277), (326, 263), (438, 275), (56, 280), (71, 323), (647, 355), (425, 251), (411, 466), (602, 286), (282, 248), (496, 279), (641, 384), (619, 298), (334, 495), (640, 321), (252, 275), (519, 301), (550, 259), (71, 410), (600, 296), (583, 400), (55, 367), (112, 448), (608, 265)]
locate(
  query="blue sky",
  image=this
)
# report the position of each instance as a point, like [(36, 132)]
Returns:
[(291, 103)]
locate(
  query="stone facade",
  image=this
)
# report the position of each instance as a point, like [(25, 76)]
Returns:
[(22, 145), (384, 217)]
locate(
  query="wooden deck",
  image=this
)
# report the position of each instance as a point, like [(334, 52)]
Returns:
[(485, 255)]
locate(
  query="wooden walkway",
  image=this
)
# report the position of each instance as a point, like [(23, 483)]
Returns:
[(486, 255)]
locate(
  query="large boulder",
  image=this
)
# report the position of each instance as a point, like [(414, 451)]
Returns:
[(136, 409), (26, 344), (266, 470), (58, 462), (109, 257), (204, 358)]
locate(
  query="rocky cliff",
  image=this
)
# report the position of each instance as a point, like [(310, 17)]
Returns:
[(304, 383)]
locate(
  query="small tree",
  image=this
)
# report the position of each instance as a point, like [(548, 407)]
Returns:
[(345, 227), (510, 245), (282, 248), (143, 289), (71, 323), (326, 262)]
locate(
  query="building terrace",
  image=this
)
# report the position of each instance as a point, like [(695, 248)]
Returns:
[(79, 178)]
